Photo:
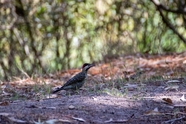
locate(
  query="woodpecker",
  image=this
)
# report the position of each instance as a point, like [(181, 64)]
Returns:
[(77, 81)]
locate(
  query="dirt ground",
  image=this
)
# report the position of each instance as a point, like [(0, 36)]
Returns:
[(136, 107), (104, 99)]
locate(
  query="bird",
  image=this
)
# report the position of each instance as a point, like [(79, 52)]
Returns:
[(76, 81)]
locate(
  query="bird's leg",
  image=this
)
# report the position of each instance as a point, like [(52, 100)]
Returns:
[(69, 93), (76, 90)]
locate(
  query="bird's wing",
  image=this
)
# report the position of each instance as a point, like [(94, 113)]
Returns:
[(77, 78)]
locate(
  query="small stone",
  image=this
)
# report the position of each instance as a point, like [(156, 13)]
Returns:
[(71, 107), (95, 99)]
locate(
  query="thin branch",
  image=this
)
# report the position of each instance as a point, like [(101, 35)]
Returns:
[(172, 27), (173, 120), (167, 23), (36, 53), (160, 6)]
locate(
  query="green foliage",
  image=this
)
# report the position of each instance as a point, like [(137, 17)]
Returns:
[(54, 35)]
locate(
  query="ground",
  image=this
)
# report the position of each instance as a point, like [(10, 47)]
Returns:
[(130, 89)]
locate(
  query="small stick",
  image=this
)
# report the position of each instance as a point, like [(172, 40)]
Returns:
[(173, 120)]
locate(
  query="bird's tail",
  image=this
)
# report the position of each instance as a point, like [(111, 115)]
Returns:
[(57, 90)]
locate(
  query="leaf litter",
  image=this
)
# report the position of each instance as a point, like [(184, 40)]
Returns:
[(134, 85)]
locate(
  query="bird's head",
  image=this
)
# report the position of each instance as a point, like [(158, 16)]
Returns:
[(87, 66)]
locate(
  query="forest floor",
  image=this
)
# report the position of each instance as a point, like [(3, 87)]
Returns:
[(135, 89)]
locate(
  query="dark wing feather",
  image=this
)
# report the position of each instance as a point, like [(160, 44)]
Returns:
[(58, 89), (77, 78)]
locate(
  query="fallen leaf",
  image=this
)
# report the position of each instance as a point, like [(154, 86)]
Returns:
[(153, 112), (117, 121), (131, 85), (51, 121), (64, 120), (173, 81), (184, 62), (183, 98), (184, 109), (79, 119), (167, 100), (172, 87), (5, 103), (95, 99), (5, 114), (71, 107), (179, 105), (17, 120), (50, 107), (5, 93), (173, 120), (51, 96)]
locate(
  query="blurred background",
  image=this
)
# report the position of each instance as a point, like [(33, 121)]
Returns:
[(44, 36)]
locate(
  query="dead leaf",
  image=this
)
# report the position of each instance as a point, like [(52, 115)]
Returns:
[(5, 93), (50, 107), (109, 121), (153, 112), (179, 105), (131, 85), (17, 120), (51, 121), (5, 114), (167, 100), (71, 107), (64, 120), (173, 120), (183, 98), (51, 96), (117, 121), (5, 103), (173, 81), (184, 62), (95, 99), (172, 87), (47, 107), (79, 119), (184, 109)]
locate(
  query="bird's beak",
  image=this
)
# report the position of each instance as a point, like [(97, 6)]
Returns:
[(91, 65)]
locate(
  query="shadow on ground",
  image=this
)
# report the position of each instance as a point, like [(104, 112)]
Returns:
[(135, 106)]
